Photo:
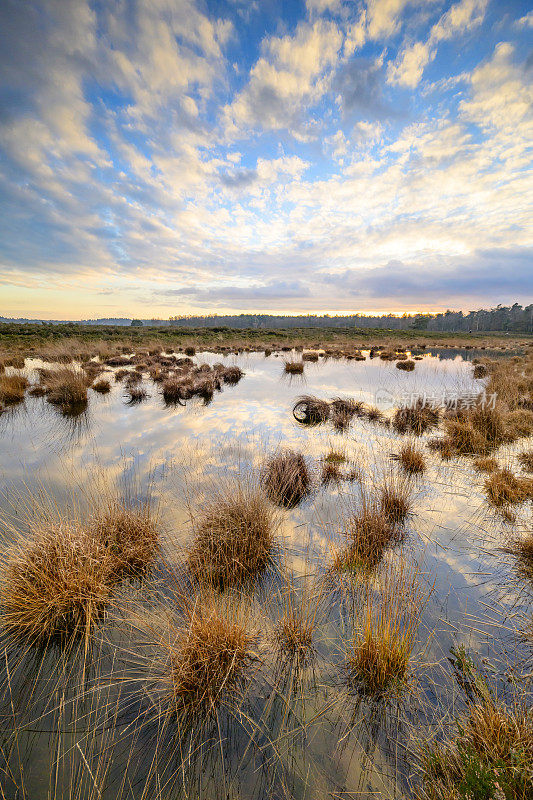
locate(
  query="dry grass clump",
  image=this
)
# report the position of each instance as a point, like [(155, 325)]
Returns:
[(55, 585), (294, 367), (232, 374), (176, 388), (331, 472), (417, 418), (130, 536), (310, 410), (190, 351), (286, 478), (12, 388), (407, 366), (521, 548), (369, 533), (37, 390), (385, 632), (310, 355), (486, 464), (294, 631), (504, 488), (65, 387), (343, 410), (480, 371), (120, 374), (525, 460), (102, 386), (518, 423), (396, 500), (207, 657), (491, 758), (135, 394), (233, 537), (373, 414), (411, 459), (476, 431)]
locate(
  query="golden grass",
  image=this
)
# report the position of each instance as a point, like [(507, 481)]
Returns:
[(207, 656), (64, 386), (12, 388), (525, 459), (417, 418), (56, 584), (385, 632), (294, 367), (233, 536), (505, 488), (368, 533), (491, 758), (286, 478), (130, 536), (295, 629), (486, 464), (396, 499), (521, 548), (411, 459)]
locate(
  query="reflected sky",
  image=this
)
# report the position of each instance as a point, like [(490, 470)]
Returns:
[(183, 451)]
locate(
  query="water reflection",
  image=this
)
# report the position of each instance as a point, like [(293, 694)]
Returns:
[(180, 451)]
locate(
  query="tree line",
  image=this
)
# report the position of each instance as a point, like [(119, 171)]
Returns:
[(515, 319)]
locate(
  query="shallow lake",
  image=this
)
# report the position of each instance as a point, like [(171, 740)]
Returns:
[(306, 735)]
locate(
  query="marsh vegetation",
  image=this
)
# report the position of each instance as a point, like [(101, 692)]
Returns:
[(213, 585)]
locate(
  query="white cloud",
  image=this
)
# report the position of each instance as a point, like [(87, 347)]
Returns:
[(409, 66), (290, 76), (383, 16), (502, 96)]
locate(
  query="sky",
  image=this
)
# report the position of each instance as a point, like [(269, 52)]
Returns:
[(169, 157)]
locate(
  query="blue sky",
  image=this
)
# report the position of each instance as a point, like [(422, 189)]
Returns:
[(160, 157)]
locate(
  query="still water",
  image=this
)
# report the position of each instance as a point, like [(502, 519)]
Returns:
[(305, 736)]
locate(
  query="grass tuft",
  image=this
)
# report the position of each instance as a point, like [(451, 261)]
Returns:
[(411, 459), (12, 388), (233, 537), (385, 632), (286, 478), (56, 585)]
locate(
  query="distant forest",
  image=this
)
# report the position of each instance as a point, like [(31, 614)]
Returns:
[(515, 319)]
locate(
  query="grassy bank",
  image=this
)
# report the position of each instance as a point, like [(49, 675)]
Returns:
[(31, 338)]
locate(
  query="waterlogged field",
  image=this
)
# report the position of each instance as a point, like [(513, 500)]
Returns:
[(206, 595)]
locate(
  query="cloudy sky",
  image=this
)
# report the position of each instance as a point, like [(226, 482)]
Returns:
[(160, 157)]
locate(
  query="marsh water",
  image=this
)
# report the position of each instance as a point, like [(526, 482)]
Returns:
[(307, 735)]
